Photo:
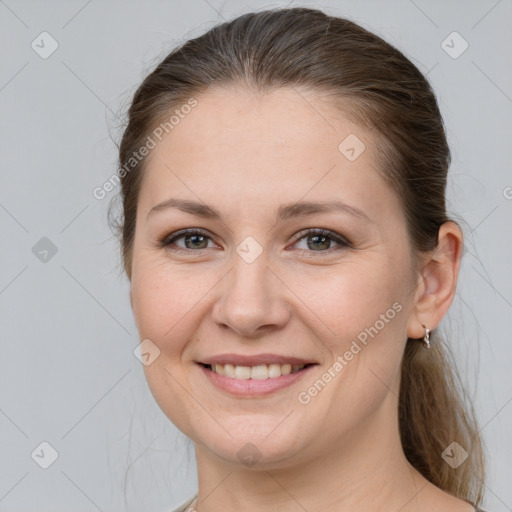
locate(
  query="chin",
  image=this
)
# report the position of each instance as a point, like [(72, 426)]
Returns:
[(257, 442)]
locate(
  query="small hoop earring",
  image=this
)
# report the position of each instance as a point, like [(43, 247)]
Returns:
[(426, 338)]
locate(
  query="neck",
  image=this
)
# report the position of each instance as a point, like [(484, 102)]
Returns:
[(366, 471)]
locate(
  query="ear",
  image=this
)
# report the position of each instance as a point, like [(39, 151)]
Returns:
[(437, 281)]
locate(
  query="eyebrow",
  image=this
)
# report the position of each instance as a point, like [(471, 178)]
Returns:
[(285, 212)]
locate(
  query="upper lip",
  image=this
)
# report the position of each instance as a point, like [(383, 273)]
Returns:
[(258, 359)]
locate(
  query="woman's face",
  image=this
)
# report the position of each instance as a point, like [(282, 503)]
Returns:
[(253, 288)]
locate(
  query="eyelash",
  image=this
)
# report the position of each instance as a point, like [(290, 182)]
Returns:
[(170, 239)]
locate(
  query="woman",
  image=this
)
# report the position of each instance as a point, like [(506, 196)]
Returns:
[(290, 257)]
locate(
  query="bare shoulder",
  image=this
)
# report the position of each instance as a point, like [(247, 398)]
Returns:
[(447, 502), (432, 498)]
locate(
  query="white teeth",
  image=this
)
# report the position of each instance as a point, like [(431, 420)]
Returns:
[(286, 369), (229, 370), (258, 372), (274, 370), (242, 372)]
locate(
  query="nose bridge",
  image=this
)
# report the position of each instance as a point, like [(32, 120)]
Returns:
[(250, 296)]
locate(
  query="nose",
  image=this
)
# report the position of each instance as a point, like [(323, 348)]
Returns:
[(253, 300)]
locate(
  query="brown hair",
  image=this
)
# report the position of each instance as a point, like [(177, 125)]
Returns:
[(378, 87)]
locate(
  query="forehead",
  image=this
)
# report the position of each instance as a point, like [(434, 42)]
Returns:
[(263, 148), (237, 120)]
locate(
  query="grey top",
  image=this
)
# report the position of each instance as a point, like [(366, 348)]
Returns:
[(189, 506)]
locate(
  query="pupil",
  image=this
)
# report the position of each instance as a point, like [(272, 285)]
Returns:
[(316, 238), (189, 237)]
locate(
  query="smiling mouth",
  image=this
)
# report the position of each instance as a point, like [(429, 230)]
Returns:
[(256, 372)]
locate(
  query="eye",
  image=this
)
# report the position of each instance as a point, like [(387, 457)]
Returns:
[(320, 240), (193, 239), (317, 240)]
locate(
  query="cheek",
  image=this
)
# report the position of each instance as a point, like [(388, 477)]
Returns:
[(351, 297), (163, 305), (159, 299), (363, 321), (167, 300)]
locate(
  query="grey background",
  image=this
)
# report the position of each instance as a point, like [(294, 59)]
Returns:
[(68, 373)]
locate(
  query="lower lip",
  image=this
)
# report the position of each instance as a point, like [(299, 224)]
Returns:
[(253, 387)]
